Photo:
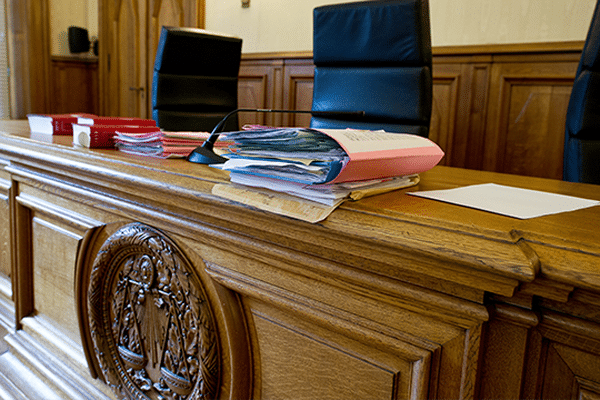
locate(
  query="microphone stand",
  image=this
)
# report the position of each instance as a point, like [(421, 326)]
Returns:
[(205, 154)]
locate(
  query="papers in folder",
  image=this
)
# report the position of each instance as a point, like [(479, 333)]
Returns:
[(311, 156), (299, 155), (329, 195), (325, 167)]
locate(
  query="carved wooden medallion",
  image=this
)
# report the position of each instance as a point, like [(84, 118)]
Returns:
[(151, 324)]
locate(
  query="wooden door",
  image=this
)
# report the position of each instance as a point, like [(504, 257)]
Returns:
[(29, 56), (129, 35), (125, 44)]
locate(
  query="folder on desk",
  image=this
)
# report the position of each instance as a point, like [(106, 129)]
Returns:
[(306, 173), (329, 156)]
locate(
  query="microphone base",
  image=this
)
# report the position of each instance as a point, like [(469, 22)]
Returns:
[(202, 155)]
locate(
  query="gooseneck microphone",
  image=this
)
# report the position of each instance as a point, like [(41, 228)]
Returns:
[(205, 154)]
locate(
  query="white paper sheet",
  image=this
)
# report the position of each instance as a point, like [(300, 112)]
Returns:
[(509, 201)]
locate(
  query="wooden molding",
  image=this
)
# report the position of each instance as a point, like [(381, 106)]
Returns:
[(277, 55), (510, 48), (466, 50)]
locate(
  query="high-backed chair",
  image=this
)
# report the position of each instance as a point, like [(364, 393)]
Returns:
[(582, 130), (373, 56), (195, 79)]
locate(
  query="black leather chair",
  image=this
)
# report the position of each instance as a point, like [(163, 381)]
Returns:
[(195, 79), (582, 130), (374, 56)]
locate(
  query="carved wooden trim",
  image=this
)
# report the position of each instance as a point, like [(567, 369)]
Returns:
[(151, 323), (574, 46)]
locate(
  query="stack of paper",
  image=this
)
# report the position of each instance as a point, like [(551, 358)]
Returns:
[(161, 144), (296, 154), (327, 166), (327, 194)]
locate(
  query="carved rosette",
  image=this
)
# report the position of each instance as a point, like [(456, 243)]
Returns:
[(151, 324)]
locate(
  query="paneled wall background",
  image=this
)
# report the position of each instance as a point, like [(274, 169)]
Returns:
[(497, 107)]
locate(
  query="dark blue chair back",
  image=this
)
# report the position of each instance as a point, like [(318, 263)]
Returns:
[(195, 80), (374, 56), (582, 130)]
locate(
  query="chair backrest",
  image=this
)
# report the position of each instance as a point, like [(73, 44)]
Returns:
[(195, 79), (374, 56), (582, 128)]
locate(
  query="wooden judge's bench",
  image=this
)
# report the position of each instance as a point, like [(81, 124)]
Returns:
[(128, 275)]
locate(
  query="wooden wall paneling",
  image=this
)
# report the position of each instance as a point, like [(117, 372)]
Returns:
[(495, 107), (459, 109), (526, 116), (5, 241), (74, 85), (446, 88), (260, 85), (473, 142), (201, 13), (297, 91)]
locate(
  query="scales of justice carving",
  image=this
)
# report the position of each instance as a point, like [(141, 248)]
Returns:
[(151, 323)]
